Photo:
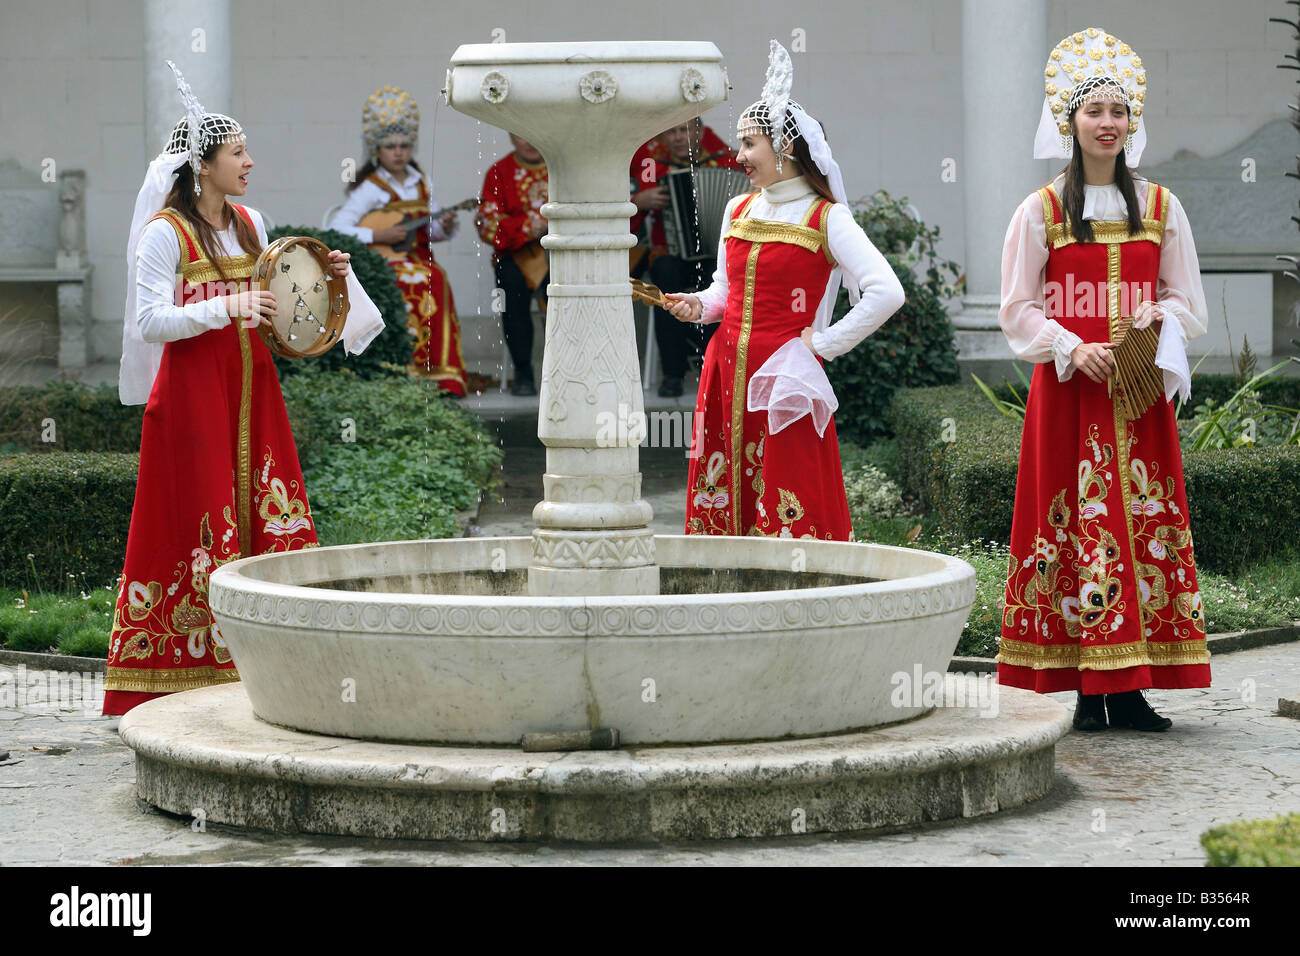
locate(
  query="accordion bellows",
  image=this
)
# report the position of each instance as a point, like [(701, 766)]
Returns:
[(697, 202)]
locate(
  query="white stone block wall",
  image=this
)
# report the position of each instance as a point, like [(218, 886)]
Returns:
[(884, 76)]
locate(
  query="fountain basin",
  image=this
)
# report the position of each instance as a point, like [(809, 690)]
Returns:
[(439, 642)]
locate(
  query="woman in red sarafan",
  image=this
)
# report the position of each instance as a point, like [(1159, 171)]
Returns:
[(1101, 593), (219, 475), (784, 251), (392, 182)]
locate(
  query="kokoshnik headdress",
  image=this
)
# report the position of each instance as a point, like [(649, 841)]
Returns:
[(388, 110), (1086, 67), (193, 136), (784, 120)]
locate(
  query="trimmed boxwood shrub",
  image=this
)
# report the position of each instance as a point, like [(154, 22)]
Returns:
[(393, 345), (1241, 500), (388, 459), (71, 512), (1273, 842), (78, 418), (915, 347)]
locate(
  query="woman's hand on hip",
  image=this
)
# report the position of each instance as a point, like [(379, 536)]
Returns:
[(1094, 360), (255, 306), (687, 308), (806, 337)]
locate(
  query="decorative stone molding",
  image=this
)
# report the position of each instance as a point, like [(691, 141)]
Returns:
[(495, 87), (694, 89), (598, 86)]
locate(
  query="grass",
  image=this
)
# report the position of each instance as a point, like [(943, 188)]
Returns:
[(76, 624)]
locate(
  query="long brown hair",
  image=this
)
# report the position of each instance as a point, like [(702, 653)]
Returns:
[(1072, 197), (371, 166), (182, 199), (807, 168)]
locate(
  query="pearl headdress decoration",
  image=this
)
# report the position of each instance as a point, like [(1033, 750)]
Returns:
[(783, 120), (1085, 67), (388, 110), (198, 130), (774, 112)]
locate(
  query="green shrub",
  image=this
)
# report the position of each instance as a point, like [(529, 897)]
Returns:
[(78, 418), (1240, 500), (1273, 842), (915, 347), (389, 459), (392, 347), (70, 512)]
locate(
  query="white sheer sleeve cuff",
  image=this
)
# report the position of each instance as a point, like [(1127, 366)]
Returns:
[(1063, 347), (1171, 356)]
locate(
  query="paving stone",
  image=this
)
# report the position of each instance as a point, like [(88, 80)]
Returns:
[(1159, 792)]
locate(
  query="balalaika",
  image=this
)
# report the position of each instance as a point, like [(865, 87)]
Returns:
[(697, 202)]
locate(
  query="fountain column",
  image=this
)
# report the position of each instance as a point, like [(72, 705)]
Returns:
[(587, 107)]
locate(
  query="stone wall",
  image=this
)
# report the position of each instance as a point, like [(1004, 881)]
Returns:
[(884, 76)]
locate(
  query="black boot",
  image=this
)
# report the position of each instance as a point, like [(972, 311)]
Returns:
[(1090, 712), (1131, 710)]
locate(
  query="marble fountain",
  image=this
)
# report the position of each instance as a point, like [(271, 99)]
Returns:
[(760, 687)]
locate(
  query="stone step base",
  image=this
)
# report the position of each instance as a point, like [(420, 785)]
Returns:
[(986, 748)]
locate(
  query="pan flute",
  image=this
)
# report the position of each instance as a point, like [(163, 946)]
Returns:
[(1138, 383), (697, 202)]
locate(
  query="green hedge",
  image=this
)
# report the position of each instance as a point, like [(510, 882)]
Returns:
[(78, 418), (915, 348), (70, 512), (1241, 500), (1254, 843), (393, 345), (418, 460), (387, 459)]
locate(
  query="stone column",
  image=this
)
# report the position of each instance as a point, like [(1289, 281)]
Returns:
[(195, 36), (1004, 49), (587, 107)]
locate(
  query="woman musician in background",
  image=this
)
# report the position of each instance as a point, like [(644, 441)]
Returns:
[(387, 208)]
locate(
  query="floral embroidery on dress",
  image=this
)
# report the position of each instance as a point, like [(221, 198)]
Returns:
[(1090, 603), (710, 492), (283, 509)]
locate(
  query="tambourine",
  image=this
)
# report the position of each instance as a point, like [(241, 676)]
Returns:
[(311, 301)]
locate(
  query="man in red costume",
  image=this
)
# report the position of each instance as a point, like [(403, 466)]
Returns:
[(689, 145), (510, 221)]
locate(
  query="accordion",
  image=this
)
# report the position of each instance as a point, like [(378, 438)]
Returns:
[(697, 202)]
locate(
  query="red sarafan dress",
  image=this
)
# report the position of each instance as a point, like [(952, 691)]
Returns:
[(1101, 596), (426, 290), (219, 479), (743, 481)]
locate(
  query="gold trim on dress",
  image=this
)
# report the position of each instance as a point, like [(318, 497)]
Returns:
[(765, 230), (1058, 235), (244, 493), (738, 385), (1105, 657), (160, 681), (405, 206), (203, 271)]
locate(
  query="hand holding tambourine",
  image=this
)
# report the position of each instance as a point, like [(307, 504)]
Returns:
[(308, 296)]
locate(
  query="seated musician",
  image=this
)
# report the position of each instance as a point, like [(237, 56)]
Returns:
[(688, 145), (387, 208), (510, 220)]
